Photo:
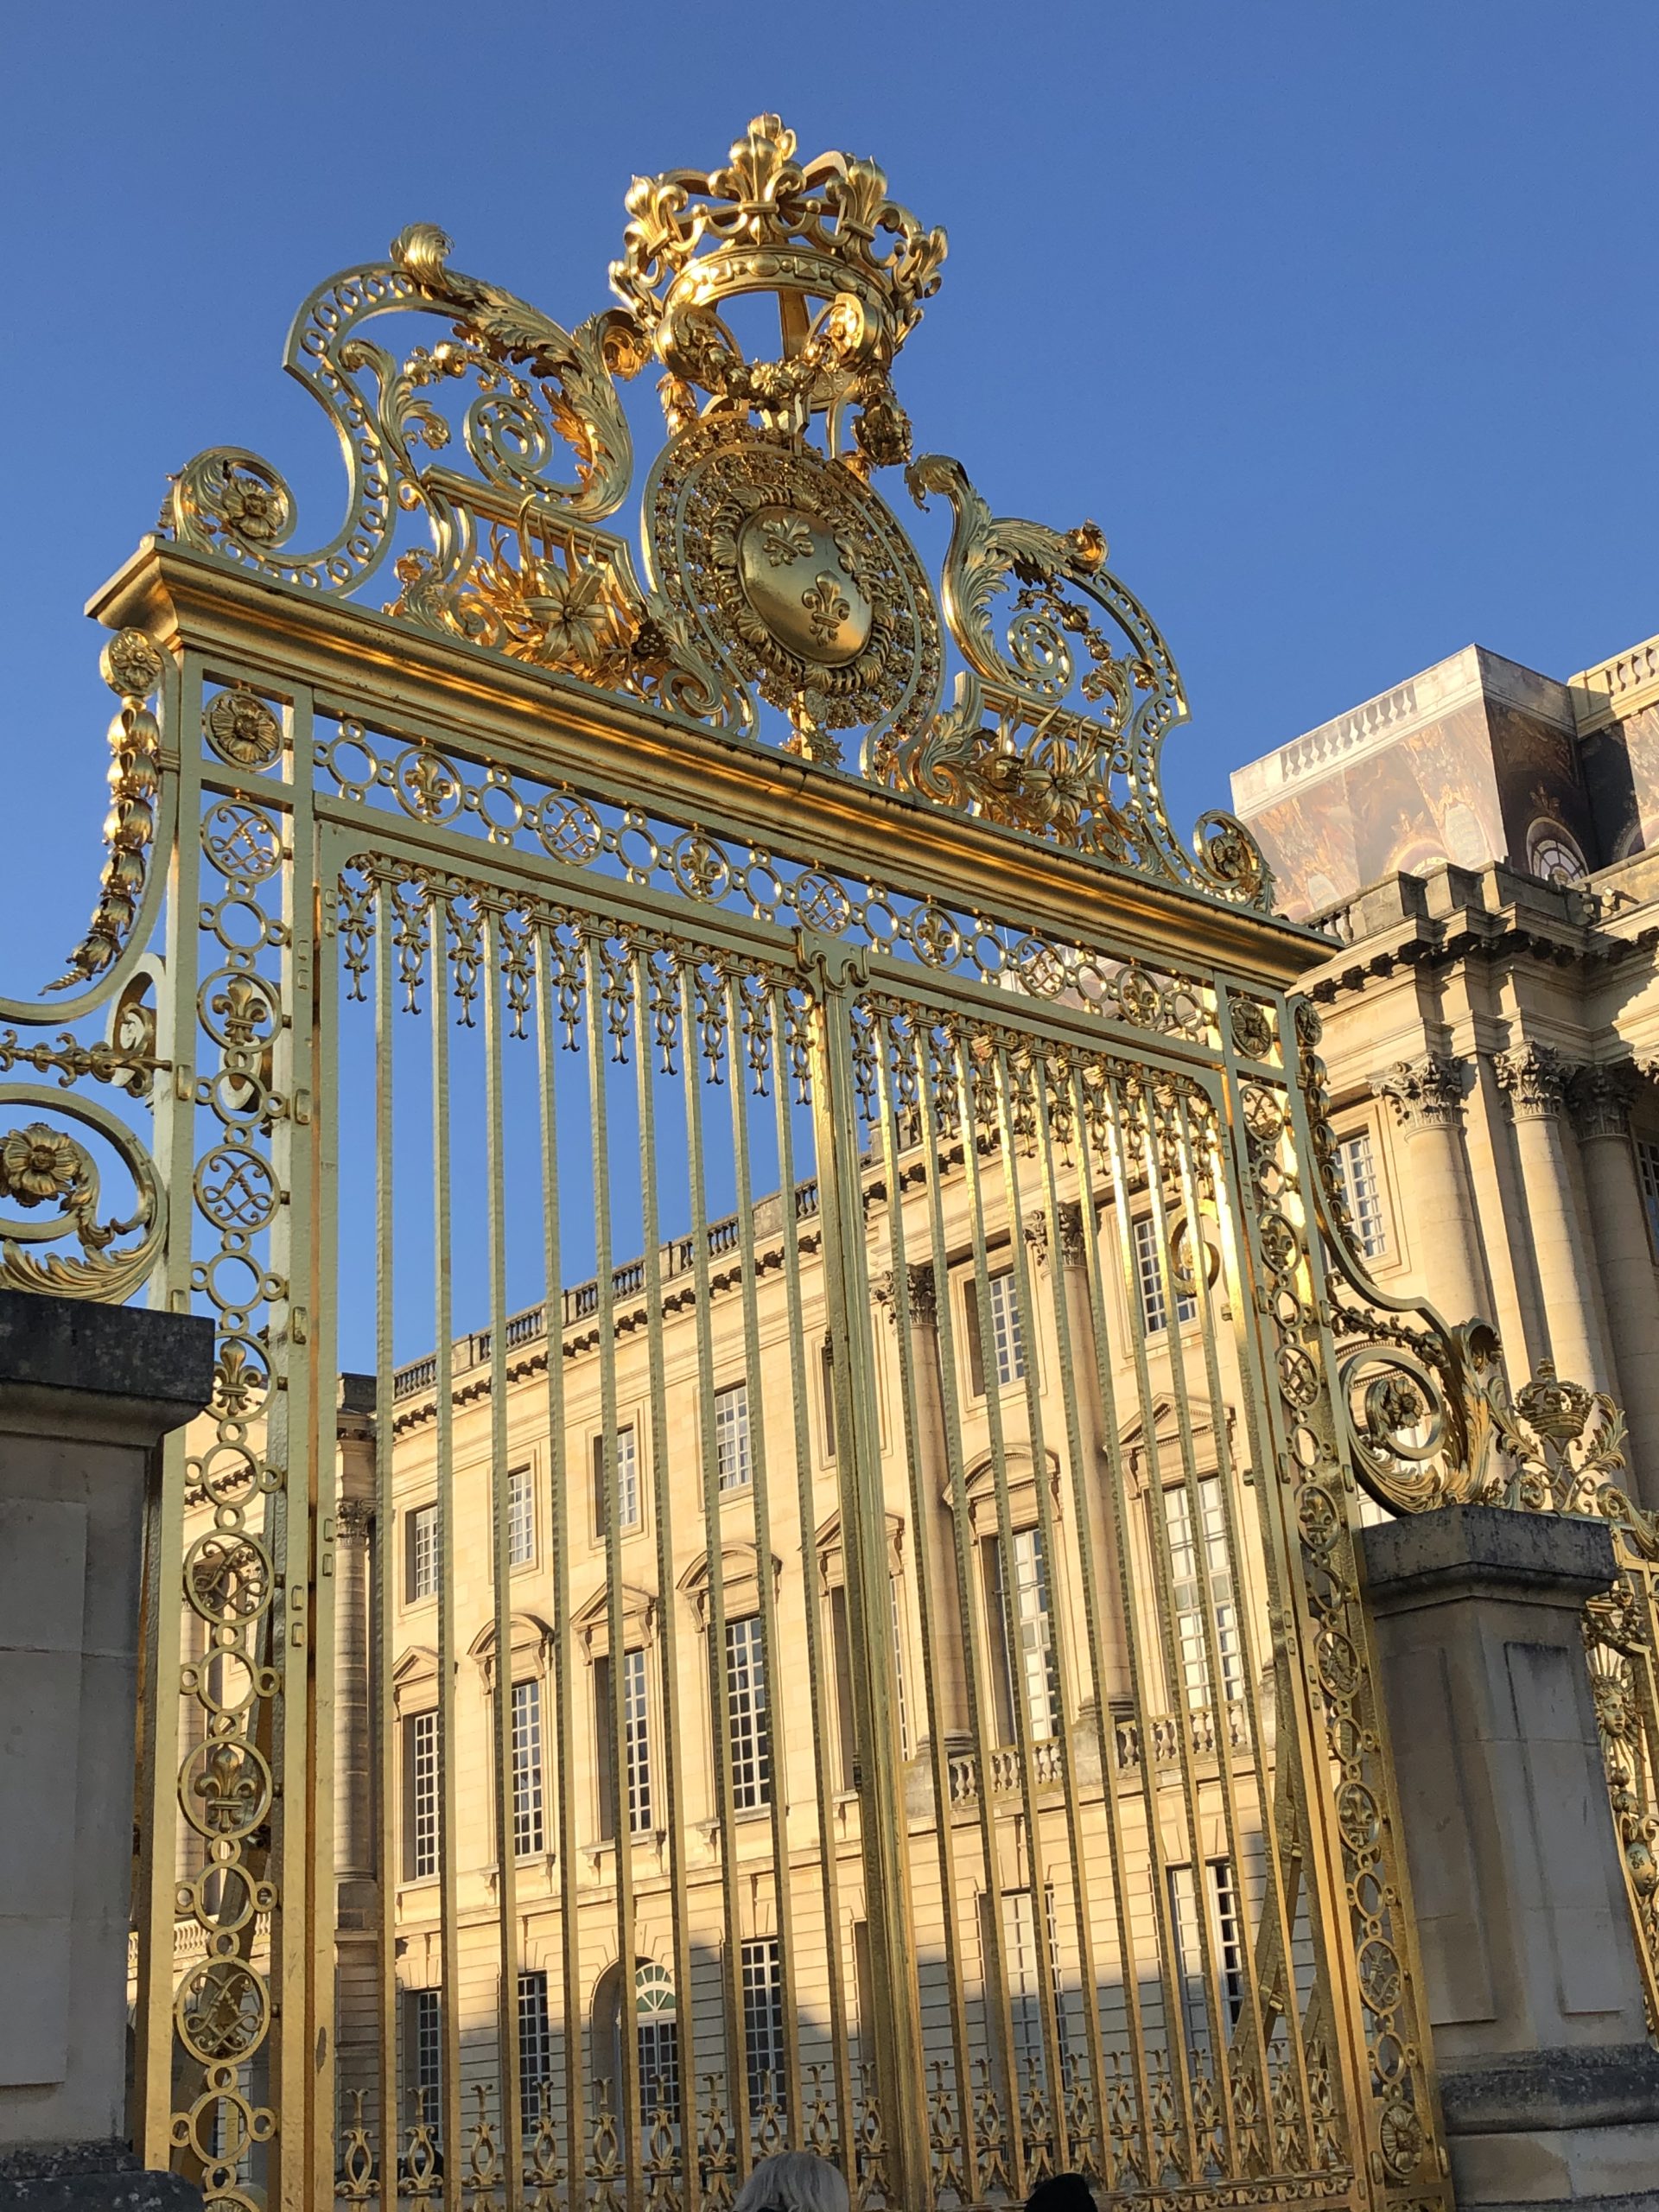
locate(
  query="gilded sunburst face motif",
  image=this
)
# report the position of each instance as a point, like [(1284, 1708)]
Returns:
[(799, 578)]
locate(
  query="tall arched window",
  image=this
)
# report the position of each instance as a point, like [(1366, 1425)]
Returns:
[(657, 2042)]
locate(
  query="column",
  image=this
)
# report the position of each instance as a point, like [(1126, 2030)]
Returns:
[(1600, 1099), (1096, 1474), (1531, 1977), (1426, 1096), (937, 1539), (1533, 1079), (86, 1392)]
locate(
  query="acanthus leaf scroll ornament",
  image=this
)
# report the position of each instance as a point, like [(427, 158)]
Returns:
[(772, 574)]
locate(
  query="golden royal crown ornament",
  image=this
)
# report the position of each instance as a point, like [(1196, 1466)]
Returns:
[(773, 573)]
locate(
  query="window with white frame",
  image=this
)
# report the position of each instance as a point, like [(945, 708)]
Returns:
[(426, 2040), (1007, 1338), (748, 1738), (421, 1796), (657, 2036), (1151, 1281), (1219, 1904), (626, 1467), (535, 2047), (1362, 1190), (521, 1518), (901, 1710), (1202, 1586), (529, 1816), (763, 2023), (1023, 1970), (422, 1561), (1646, 1164), (732, 1466), (636, 1743), (1022, 1632)]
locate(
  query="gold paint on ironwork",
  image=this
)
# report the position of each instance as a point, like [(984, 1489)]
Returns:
[(1001, 1784)]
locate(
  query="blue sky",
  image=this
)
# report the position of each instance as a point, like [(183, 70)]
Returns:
[(1340, 318)]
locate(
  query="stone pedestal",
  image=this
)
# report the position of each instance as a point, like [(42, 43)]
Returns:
[(1550, 2086), (86, 1393)]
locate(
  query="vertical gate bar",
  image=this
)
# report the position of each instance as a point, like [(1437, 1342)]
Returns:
[(1329, 1913), (943, 1079), (506, 1835), (548, 970), (864, 1539), (1154, 1638), (922, 1507), (1155, 1128), (323, 1447), (1275, 1938), (597, 1005), (1006, 1139), (1093, 1572), (754, 1384), (177, 1042), (731, 1957), (1042, 1075), (668, 1633), (447, 1749), (816, 1685), (383, 1737), (1226, 1478), (294, 1506)]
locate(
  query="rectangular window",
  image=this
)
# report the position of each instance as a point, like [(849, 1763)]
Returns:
[(827, 1381), (428, 2040), (747, 1723), (1022, 1638), (900, 1710), (1024, 1995), (420, 1796), (529, 1821), (421, 1563), (521, 1518), (1007, 1339), (1364, 1193), (1151, 1281), (732, 1437), (840, 1652), (658, 2037), (762, 2024), (1220, 1904), (1647, 1161), (636, 1738), (627, 1483), (1202, 1586), (535, 2047)]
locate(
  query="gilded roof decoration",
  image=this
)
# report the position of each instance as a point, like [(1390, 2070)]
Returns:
[(770, 573)]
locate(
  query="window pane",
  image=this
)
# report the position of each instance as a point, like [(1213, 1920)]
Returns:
[(762, 2024), (528, 1822), (627, 1483), (1363, 1194), (747, 1738), (1024, 1995), (423, 1772), (732, 1437), (635, 1727), (1199, 1581), (1151, 1281), (422, 1562), (428, 2040), (535, 2046), (1008, 1344), (521, 1518)]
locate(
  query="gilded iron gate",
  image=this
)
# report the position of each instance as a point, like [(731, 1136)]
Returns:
[(771, 1562)]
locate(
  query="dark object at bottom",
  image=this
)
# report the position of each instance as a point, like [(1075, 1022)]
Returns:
[(88, 2177), (1062, 2193)]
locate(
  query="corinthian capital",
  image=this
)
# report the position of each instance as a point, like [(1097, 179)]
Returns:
[(1534, 1078), (1601, 1098), (1425, 1094)]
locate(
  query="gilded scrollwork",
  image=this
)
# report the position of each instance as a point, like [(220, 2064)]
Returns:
[(44, 1167), (132, 666)]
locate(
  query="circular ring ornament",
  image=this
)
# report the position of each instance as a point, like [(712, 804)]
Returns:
[(798, 576)]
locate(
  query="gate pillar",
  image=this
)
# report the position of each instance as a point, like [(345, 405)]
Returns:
[(85, 1391), (1549, 2084)]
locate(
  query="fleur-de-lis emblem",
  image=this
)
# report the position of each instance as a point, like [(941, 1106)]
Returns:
[(826, 607), (783, 541)]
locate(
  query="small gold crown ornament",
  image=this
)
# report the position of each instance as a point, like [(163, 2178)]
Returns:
[(849, 267)]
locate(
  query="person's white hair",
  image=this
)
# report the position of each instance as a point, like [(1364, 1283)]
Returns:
[(793, 2181)]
